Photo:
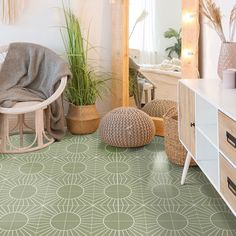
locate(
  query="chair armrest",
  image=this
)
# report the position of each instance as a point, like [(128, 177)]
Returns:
[(40, 105)]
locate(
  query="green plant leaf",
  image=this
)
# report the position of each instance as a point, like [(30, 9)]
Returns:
[(87, 84), (171, 33), (176, 48)]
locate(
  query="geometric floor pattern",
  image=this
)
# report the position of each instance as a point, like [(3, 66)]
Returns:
[(80, 186)]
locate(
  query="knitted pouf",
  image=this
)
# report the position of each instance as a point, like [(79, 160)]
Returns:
[(126, 127), (158, 107)]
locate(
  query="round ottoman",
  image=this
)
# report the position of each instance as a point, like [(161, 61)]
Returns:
[(157, 109), (126, 127)]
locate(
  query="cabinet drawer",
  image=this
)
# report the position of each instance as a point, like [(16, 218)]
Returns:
[(228, 182), (227, 136)]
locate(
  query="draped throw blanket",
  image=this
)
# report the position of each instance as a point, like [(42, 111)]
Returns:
[(31, 72), (10, 10)]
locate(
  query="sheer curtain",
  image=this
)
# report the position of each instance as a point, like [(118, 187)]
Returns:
[(10, 10), (144, 36)]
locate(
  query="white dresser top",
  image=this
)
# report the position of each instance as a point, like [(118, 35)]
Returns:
[(212, 91)]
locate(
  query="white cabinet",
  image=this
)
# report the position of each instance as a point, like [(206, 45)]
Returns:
[(187, 117), (214, 133), (206, 119)]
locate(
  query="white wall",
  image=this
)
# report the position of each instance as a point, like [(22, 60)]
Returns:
[(40, 24), (211, 43)]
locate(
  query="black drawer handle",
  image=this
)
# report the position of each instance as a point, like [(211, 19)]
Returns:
[(231, 139), (231, 186)]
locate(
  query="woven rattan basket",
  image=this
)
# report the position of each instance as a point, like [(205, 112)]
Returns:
[(174, 149), (157, 109)]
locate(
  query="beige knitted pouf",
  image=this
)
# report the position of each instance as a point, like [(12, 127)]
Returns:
[(126, 127), (157, 109)]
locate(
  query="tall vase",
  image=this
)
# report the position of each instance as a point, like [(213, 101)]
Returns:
[(227, 58)]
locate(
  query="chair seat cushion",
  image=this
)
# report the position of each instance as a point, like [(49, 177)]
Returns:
[(26, 104), (126, 127)]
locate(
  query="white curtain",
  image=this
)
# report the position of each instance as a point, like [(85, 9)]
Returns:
[(144, 36), (10, 10)]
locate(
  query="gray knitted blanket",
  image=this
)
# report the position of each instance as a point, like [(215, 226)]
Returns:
[(31, 72)]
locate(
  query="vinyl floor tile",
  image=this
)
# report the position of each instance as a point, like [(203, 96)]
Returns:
[(82, 187)]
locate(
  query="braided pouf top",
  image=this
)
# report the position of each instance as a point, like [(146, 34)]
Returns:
[(158, 107), (126, 127)]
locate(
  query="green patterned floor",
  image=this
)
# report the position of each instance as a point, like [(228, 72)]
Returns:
[(82, 187)]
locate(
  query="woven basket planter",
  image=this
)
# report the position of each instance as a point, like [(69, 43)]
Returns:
[(174, 149), (126, 127), (82, 119), (157, 109)]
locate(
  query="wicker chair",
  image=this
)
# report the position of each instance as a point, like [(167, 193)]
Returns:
[(143, 90), (20, 110)]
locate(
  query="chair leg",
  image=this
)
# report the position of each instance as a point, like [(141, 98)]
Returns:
[(146, 96), (21, 128), (186, 167), (154, 93), (3, 132), (39, 126), (41, 140), (149, 95)]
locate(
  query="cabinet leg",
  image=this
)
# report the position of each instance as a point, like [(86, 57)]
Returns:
[(186, 166)]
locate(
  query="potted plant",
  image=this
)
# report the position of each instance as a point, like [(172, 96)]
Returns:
[(86, 84), (176, 48), (212, 12)]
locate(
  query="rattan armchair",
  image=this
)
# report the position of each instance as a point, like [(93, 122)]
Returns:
[(18, 112)]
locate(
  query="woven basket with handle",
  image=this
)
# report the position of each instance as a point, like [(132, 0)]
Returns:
[(174, 149)]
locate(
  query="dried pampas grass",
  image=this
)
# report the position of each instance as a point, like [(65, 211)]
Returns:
[(212, 12), (232, 24)]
